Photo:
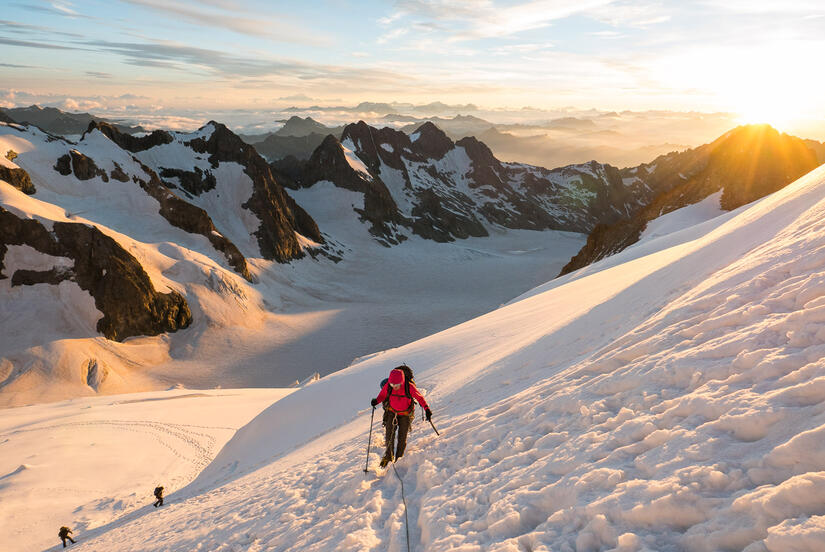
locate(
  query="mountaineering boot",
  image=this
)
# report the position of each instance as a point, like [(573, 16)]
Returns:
[(386, 460)]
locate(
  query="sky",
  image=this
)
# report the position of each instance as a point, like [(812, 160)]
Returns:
[(757, 58)]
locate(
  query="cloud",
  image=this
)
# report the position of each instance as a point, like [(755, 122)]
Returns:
[(26, 29), (474, 19), (767, 6), (38, 45), (217, 63), (71, 104), (222, 15), (15, 66), (99, 75), (635, 13), (54, 8)]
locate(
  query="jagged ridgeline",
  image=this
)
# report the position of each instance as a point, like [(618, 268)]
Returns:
[(745, 164), (425, 184), (232, 205)]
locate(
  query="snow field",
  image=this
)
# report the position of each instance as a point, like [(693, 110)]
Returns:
[(86, 462), (674, 402)]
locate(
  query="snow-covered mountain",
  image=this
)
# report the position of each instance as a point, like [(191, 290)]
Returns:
[(427, 185), (743, 165), (114, 244), (667, 398)]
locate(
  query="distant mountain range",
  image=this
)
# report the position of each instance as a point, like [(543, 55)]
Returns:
[(298, 138), (59, 122), (548, 144)]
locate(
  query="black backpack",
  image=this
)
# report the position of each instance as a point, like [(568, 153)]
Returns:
[(408, 379), (158, 492)]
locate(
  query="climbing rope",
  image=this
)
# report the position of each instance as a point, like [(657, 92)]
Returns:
[(404, 500), (403, 497)]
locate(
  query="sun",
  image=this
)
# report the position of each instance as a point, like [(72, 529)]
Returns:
[(777, 110)]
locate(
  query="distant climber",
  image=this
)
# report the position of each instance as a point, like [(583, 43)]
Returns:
[(159, 496), (64, 534), (399, 410)]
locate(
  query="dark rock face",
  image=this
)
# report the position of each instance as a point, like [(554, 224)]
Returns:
[(486, 169), (192, 219), (119, 174), (280, 216), (435, 222), (747, 163), (432, 143), (329, 162), (84, 167), (64, 165), (121, 288), (194, 182), (4, 118), (288, 171), (18, 178), (127, 141)]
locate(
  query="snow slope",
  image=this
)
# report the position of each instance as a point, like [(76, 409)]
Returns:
[(675, 401), (88, 461)]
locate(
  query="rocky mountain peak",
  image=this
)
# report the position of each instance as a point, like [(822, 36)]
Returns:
[(746, 163), (430, 141), (478, 151), (296, 126), (280, 216), (329, 162), (374, 145)]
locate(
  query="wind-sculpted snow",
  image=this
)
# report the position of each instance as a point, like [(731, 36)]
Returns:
[(670, 402)]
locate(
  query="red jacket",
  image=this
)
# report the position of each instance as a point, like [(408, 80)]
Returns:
[(398, 399)]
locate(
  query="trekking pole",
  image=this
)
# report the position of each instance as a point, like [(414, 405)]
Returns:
[(369, 441), (434, 429)]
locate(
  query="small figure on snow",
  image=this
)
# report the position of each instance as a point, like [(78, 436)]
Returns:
[(64, 534), (399, 410), (159, 496)]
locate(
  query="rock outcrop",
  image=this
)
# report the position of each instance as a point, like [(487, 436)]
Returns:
[(83, 167), (746, 164), (118, 283), (127, 141), (18, 178), (193, 182)]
